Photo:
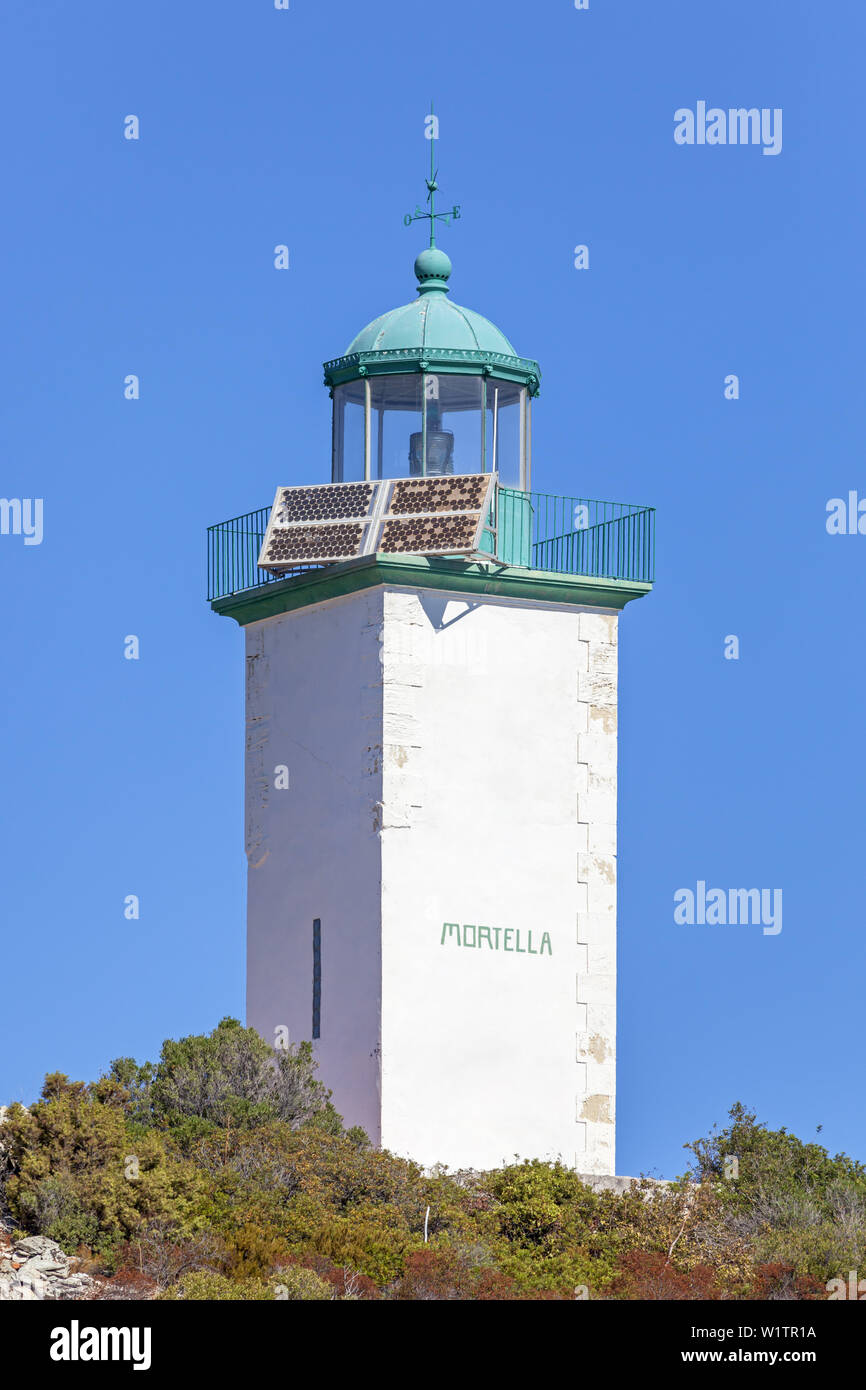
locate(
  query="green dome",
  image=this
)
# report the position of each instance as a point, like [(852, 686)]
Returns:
[(432, 333), (431, 320)]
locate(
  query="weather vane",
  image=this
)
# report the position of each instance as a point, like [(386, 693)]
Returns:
[(431, 215)]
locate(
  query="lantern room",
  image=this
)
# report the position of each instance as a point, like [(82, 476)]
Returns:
[(432, 389)]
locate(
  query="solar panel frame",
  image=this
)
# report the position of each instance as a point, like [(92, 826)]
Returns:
[(325, 508), (317, 494)]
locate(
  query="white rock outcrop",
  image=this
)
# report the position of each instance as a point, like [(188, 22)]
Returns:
[(35, 1268)]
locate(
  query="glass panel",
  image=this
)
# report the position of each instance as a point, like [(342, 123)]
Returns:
[(348, 444), (453, 424), (397, 425), (504, 431), (410, 412)]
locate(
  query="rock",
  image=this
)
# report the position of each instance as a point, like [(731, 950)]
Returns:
[(43, 1266), (37, 1245), (39, 1269)]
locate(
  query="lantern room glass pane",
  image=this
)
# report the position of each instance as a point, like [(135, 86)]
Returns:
[(453, 406), (505, 431), (396, 409), (348, 440), (430, 424)]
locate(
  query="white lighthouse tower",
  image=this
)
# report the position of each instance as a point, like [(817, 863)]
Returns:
[(431, 736)]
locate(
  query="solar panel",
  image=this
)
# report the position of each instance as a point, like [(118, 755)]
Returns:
[(298, 545), (332, 502), (403, 516), (463, 493), (424, 535)]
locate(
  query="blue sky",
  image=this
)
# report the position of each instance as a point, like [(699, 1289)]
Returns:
[(155, 257)]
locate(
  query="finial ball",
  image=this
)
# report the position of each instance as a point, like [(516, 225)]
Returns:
[(432, 264)]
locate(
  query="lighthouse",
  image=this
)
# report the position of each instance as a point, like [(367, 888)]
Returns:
[(431, 750)]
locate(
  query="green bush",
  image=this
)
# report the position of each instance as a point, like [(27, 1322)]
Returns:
[(80, 1175), (799, 1206), (294, 1283), (202, 1287)]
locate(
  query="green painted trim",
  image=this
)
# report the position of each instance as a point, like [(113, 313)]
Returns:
[(458, 576), (459, 361)]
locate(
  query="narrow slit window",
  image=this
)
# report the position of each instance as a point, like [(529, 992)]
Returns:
[(317, 977)]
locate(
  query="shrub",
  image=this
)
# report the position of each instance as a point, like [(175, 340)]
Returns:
[(202, 1287), (231, 1076), (649, 1275), (294, 1283), (795, 1204), (77, 1174)]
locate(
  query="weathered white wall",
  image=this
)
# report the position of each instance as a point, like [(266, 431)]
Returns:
[(314, 703), (452, 762), (500, 797), (596, 874)]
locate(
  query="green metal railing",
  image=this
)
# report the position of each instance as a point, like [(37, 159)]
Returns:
[(233, 547), (576, 535), (565, 535)]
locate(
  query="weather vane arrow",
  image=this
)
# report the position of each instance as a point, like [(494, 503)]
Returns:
[(430, 214)]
